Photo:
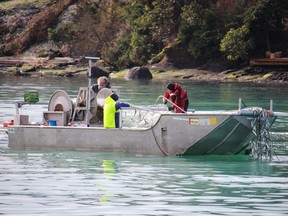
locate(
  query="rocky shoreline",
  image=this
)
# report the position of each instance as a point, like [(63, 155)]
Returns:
[(70, 67)]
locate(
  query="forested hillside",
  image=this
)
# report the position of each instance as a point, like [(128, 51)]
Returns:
[(125, 33)]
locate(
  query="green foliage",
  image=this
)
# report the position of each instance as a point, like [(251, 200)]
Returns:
[(199, 30), (207, 28), (152, 24), (121, 50), (265, 19), (140, 44), (128, 50), (265, 14), (157, 58), (62, 34), (6, 50), (163, 19), (127, 33), (237, 44), (140, 48)]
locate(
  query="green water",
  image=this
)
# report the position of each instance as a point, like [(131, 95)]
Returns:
[(87, 183)]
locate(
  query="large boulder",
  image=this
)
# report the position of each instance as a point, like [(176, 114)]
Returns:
[(98, 72), (138, 73)]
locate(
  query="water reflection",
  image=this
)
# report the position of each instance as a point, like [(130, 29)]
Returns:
[(145, 184), (87, 183)]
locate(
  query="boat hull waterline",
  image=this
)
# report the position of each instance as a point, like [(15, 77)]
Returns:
[(225, 133)]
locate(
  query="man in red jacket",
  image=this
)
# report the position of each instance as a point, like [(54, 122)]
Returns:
[(178, 96)]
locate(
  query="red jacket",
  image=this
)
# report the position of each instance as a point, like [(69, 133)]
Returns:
[(178, 97)]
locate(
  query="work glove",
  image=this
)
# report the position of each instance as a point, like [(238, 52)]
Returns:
[(170, 109)]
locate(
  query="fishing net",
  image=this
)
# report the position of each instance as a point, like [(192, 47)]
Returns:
[(261, 145), (142, 117)]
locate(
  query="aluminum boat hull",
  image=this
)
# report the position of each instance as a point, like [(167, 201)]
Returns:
[(225, 133)]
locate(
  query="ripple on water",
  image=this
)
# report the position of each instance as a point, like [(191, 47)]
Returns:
[(79, 183)]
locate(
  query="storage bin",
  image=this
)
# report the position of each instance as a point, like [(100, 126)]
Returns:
[(52, 122), (31, 97)]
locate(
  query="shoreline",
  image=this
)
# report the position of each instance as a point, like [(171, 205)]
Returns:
[(71, 67)]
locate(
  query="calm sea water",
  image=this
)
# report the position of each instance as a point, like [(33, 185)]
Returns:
[(86, 183)]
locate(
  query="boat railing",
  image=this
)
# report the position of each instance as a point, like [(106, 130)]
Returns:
[(252, 111)]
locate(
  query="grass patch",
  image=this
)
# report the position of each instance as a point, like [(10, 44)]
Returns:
[(155, 73), (266, 76), (119, 74), (252, 78), (234, 76), (54, 71), (168, 73)]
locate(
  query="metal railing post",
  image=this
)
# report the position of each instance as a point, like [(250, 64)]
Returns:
[(271, 105), (240, 104), (89, 85)]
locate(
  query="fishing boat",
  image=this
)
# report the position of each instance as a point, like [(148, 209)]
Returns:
[(68, 125)]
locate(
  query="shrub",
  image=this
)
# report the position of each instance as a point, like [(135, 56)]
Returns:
[(237, 43), (62, 34)]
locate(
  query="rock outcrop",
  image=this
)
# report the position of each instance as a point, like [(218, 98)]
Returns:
[(139, 73)]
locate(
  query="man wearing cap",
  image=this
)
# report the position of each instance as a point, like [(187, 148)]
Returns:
[(178, 96), (111, 111), (102, 82)]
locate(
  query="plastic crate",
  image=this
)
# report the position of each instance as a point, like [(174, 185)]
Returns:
[(31, 97)]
